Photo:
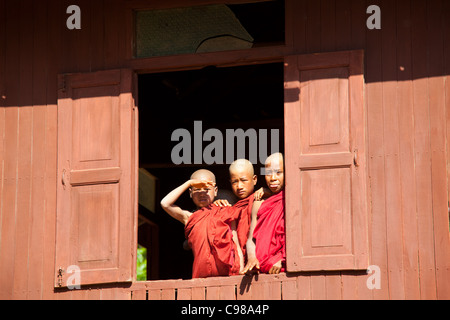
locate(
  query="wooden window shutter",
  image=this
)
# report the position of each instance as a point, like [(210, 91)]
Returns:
[(96, 178), (326, 199)]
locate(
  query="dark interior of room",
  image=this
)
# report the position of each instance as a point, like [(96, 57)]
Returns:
[(247, 97)]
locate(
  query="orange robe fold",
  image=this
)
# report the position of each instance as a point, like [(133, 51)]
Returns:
[(208, 231), (269, 233)]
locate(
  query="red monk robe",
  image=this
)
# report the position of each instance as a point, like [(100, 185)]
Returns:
[(269, 234), (209, 235)]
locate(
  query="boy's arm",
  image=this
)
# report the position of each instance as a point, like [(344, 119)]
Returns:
[(238, 246), (262, 193), (252, 261), (168, 203)]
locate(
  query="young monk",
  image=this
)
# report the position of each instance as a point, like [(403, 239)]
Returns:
[(202, 189), (266, 244), (217, 235)]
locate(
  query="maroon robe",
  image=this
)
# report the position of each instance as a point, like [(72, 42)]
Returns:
[(269, 233), (209, 235)]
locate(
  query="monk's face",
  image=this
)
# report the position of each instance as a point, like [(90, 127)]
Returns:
[(242, 183), (203, 196), (275, 174)]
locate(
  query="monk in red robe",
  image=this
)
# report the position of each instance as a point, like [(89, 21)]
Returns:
[(218, 234), (266, 245)]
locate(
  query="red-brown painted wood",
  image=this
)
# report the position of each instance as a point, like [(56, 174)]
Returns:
[(326, 211), (406, 151), (407, 90), (95, 205)]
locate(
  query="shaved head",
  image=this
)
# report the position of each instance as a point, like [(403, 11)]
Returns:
[(242, 165), (274, 158), (242, 178), (204, 195), (204, 174)]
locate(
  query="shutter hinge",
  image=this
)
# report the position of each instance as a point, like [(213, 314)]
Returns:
[(59, 276), (62, 83)]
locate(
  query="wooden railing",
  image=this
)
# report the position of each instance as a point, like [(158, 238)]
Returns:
[(258, 287)]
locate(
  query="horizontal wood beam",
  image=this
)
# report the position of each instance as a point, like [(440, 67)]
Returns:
[(219, 59)]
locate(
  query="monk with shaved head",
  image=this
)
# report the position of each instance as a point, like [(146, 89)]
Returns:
[(218, 234), (202, 189), (266, 244)]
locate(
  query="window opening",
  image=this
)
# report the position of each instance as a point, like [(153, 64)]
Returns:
[(247, 97)]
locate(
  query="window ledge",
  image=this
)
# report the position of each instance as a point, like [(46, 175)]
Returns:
[(261, 286)]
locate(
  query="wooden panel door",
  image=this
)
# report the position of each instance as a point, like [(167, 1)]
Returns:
[(326, 200), (95, 193)]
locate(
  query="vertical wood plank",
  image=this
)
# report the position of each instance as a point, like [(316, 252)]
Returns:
[(3, 20), (96, 45), (438, 146), (107, 294), (273, 290), (289, 23), (393, 207), (257, 290), (25, 148), (227, 292), (55, 22), (304, 287), (363, 292), (69, 46), (447, 102), (267, 290), (299, 18), (313, 26), (343, 26), (7, 247), (349, 291), (212, 293), (406, 130), (139, 295), (38, 146), (198, 293), (358, 21), (327, 25), (333, 285), (318, 287), (422, 151), (89, 294), (168, 294), (184, 294), (2, 51), (154, 294), (122, 294), (81, 39), (375, 128), (111, 35), (289, 290)]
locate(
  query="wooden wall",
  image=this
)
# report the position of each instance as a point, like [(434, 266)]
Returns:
[(35, 47), (407, 68)]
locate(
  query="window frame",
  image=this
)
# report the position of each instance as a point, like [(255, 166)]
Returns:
[(258, 55)]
